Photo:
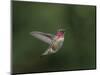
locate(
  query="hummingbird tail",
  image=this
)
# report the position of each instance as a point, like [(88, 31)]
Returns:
[(49, 51), (45, 53)]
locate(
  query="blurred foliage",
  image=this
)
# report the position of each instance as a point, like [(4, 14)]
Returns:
[(79, 49)]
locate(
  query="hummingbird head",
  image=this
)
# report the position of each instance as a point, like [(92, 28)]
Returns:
[(60, 32)]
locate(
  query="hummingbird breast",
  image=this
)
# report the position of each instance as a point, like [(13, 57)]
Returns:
[(57, 44)]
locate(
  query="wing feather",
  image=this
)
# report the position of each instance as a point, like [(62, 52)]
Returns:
[(45, 37)]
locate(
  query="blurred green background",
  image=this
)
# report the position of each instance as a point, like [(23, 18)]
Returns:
[(79, 49)]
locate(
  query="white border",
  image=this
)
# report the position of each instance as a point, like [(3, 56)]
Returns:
[(83, 2), (5, 29), (4, 37)]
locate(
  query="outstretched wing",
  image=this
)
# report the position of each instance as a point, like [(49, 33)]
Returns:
[(45, 37)]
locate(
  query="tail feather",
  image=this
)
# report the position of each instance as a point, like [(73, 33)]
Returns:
[(46, 52), (49, 51)]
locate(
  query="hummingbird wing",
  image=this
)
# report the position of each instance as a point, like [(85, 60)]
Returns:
[(45, 37)]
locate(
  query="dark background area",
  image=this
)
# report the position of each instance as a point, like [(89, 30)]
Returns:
[(79, 49)]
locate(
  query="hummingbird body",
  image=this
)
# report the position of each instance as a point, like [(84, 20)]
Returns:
[(56, 44), (55, 41)]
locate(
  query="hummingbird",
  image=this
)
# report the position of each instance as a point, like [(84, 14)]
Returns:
[(55, 41)]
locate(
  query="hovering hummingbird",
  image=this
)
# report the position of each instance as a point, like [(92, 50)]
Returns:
[(55, 41)]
